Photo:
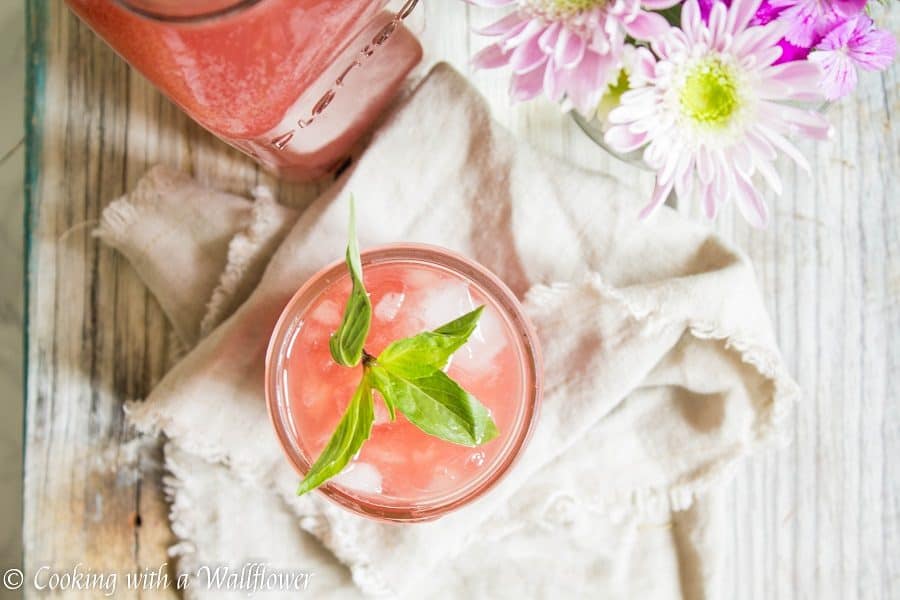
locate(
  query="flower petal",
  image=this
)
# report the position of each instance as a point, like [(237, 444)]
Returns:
[(585, 84), (525, 86), (503, 26), (552, 85), (705, 167), (760, 145), (839, 77), (796, 120), (754, 39), (491, 3), (739, 15), (531, 29), (718, 16), (657, 199), (659, 4), (708, 197), (750, 203), (778, 141), (684, 176), (789, 80), (644, 64), (569, 49), (628, 112), (647, 26), (490, 57), (548, 39), (620, 139), (770, 175), (527, 56), (691, 22)]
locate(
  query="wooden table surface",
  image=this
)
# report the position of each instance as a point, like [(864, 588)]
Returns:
[(818, 519)]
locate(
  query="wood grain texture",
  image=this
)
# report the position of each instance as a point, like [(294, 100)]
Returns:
[(819, 519)]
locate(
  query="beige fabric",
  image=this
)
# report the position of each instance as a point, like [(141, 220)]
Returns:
[(169, 211), (661, 373)]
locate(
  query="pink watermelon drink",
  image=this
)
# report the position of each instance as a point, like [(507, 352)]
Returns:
[(401, 473)]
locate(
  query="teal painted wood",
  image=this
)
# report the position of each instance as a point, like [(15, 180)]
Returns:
[(35, 75)]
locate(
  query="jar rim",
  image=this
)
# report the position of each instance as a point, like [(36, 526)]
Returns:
[(186, 12), (532, 375), (191, 13)]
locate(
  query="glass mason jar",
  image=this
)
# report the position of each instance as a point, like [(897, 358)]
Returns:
[(402, 474), (292, 83)]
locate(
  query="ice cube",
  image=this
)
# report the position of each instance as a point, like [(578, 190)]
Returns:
[(453, 299), (328, 313), (476, 459), (445, 478), (447, 473), (444, 303), (383, 454), (488, 339), (361, 477), (389, 305), (422, 279)]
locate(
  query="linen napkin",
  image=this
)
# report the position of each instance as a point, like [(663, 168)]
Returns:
[(661, 370)]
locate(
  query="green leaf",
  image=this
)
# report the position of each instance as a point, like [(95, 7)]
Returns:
[(437, 405), (347, 342), (353, 429), (422, 354), (381, 382)]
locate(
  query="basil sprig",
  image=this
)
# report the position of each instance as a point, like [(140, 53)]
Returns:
[(347, 342), (354, 428), (409, 375)]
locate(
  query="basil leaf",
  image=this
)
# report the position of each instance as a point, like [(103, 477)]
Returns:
[(381, 382), (422, 354), (347, 342), (353, 429), (437, 405)]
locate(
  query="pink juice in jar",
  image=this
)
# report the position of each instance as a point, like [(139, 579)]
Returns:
[(292, 83), (401, 473)]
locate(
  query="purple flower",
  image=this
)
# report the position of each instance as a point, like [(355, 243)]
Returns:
[(854, 43), (765, 14), (790, 52), (808, 21)]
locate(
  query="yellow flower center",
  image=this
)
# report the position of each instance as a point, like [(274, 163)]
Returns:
[(613, 95), (619, 86), (709, 95), (555, 10)]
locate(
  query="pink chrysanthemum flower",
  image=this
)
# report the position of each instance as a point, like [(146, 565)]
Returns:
[(854, 43), (569, 49), (712, 109)]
